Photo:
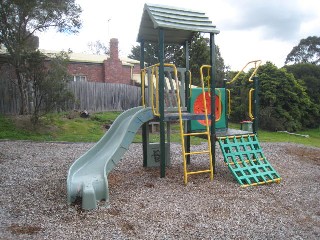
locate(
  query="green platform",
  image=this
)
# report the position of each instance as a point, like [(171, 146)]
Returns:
[(246, 161)]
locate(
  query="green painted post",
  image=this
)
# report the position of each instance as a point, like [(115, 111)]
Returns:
[(213, 102), (145, 132), (256, 105), (187, 89), (161, 105)]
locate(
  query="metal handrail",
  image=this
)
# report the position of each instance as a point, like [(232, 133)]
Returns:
[(155, 89), (220, 104), (250, 104), (143, 78), (257, 64), (202, 81), (229, 102), (208, 73), (190, 83)]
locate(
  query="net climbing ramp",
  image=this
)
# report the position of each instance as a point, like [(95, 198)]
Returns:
[(245, 159)]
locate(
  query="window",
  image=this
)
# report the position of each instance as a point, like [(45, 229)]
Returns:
[(80, 78)]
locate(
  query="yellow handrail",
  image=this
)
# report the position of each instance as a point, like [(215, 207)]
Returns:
[(190, 83), (257, 64), (220, 104), (154, 108), (250, 104), (155, 89), (143, 78), (208, 74), (229, 102), (219, 92)]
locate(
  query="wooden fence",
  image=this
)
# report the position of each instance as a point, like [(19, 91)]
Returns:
[(90, 96), (98, 97)]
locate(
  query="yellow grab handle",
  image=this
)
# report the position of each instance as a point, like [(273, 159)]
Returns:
[(229, 102), (250, 104), (220, 104), (257, 64)]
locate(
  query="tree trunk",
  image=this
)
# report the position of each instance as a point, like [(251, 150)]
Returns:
[(23, 95)]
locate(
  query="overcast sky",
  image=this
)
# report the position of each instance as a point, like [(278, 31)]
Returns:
[(249, 29)]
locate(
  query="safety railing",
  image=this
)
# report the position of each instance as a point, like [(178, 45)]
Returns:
[(250, 104), (171, 85), (257, 64), (206, 77)]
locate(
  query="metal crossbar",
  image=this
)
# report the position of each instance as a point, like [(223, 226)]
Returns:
[(246, 161)]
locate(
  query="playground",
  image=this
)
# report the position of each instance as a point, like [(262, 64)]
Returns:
[(145, 206), (168, 96), (229, 187)]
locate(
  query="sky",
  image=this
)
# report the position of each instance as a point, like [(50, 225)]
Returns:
[(249, 29)]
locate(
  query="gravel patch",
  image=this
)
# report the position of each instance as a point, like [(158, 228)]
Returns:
[(33, 201)]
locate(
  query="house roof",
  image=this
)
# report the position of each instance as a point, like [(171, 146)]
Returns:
[(93, 58), (179, 24)]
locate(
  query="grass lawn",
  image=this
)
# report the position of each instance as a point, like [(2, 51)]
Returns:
[(313, 138), (71, 127)]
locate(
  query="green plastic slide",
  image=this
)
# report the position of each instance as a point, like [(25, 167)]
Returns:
[(87, 176)]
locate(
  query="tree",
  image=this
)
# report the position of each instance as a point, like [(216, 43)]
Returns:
[(307, 51), (47, 77), (308, 75), (20, 20), (284, 102), (199, 55), (98, 48), (150, 56)]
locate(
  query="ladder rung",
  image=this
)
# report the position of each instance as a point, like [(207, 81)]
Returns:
[(195, 134), (238, 136), (190, 153), (253, 160), (198, 172), (277, 180)]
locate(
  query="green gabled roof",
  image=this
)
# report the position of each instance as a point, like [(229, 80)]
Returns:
[(179, 24)]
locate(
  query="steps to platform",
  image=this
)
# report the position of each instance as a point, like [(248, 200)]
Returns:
[(205, 152), (246, 161)]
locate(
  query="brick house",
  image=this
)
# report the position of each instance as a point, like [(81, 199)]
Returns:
[(104, 68), (96, 68)]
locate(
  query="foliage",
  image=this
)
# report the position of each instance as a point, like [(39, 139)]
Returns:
[(152, 50), (284, 102), (308, 75), (48, 80), (98, 48), (239, 97), (20, 20), (307, 51), (199, 55)]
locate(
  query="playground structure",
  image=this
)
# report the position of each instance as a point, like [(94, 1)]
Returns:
[(167, 96)]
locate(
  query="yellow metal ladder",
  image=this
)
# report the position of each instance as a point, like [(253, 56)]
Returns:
[(183, 135)]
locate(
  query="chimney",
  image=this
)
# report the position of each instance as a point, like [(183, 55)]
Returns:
[(114, 52)]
